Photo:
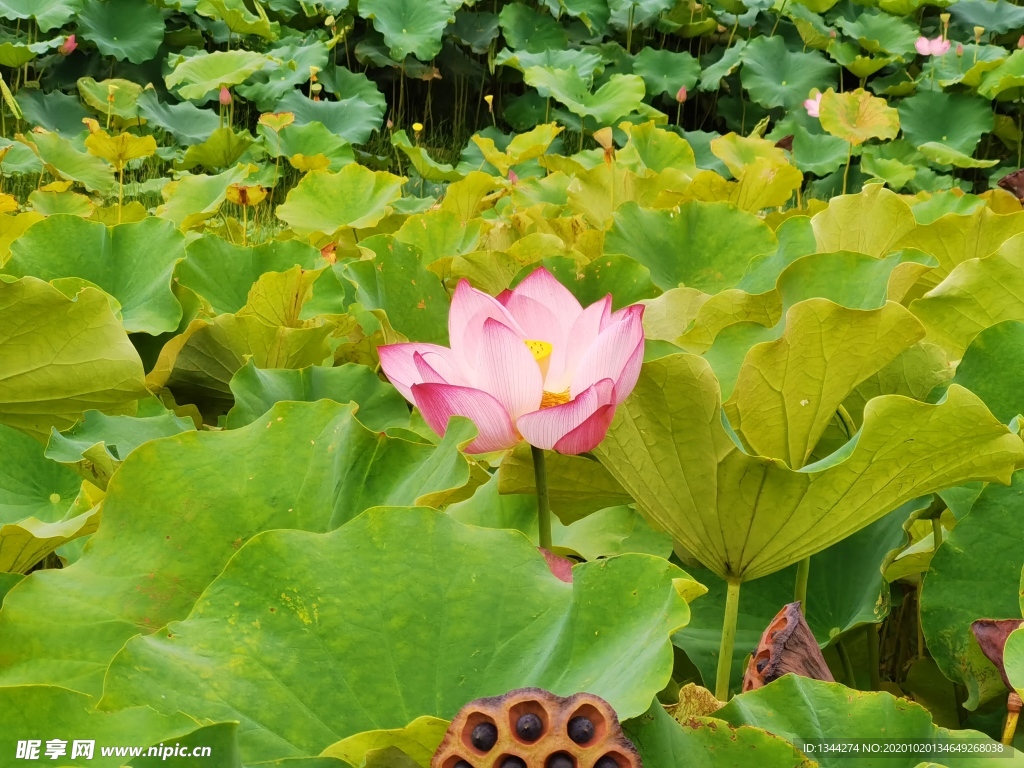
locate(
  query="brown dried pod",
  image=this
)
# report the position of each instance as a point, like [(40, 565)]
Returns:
[(991, 635), (788, 645), (533, 728), (1014, 183)]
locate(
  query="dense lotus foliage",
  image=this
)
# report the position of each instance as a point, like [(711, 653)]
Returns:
[(288, 289)]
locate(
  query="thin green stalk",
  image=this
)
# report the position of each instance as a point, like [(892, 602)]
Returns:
[(778, 18), (844, 658), (873, 646), (803, 569), (732, 612), (543, 503), (936, 533), (629, 30), (846, 171)]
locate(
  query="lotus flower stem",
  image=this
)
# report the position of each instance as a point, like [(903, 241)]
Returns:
[(543, 503), (732, 612), (844, 659), (803, 569), (936, 533), (873, 646)]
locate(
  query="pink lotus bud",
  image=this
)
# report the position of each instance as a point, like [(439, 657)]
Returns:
[(959, 49), (1020, 41), (681, 95), (68, 46), (225, 96), (512, 176), (813, 105)]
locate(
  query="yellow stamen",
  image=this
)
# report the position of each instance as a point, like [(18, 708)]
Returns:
[(540, 350), (549, 399)]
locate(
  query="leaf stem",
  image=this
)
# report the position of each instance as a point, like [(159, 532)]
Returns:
[(732, 612), (844, 658), (543, 504), (873, 647), (803, 569)]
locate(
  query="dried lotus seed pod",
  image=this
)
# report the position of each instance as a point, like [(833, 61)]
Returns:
[(533, 728)]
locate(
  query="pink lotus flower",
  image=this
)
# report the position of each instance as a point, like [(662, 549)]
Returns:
[(681, 95), (934, 47), (813, 104), (225, 96), (531, 364), (68, 46)]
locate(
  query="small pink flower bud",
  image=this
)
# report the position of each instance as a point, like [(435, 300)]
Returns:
[(68, 46), (959, 49), (1020, 41), (681, 95), (225, 96), (512, 176)]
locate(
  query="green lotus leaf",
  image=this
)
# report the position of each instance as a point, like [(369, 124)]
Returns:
[(256, 391), (418, 740), (955, 120), (353, 197), (69, 162), (872, 222), (985, 364), (708, 743), (321, 597), (996, 17), (309, 140), (439, 234), (126, 96), (624, 279), (893, 172), (800, 709), (719, 240), (665, 71), (618, 97), (26, 543), (96, 446), (194, 199), (858, 116), (123, 29), (941, 203), (48, 14), (109, 257), (881, 33), (711, 76), (60, 357), (27, 709), (973, 575), (221, 150), (820, 154), (587, 62), (475, 30), (52, 203), (596, 193), (396, 280), (861, 66), (186, 122), (8, 582), (520, 149), (778, 77), (196, 492), (593, 13), (651, 148), (531, 31), (638, 13), (220, 738), (940, 154), (664, 447), (425, 165), (1004, 80), (197, 76), (16, 54), (409, 27), (54, 111), (353, 118), (267, 86), (239, 19), (223, 273)]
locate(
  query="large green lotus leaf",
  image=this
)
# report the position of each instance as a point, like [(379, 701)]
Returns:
[(974, 575), (124, 29), (977, 294), (7, 583), (941, 155), (871, 222), (778, 77), (800, 709), (748, 516), (60, 357), (651, 148), (597, 192), (989, 367), (308, 140), (54, 111), (132, 262), (195, 198), (957, 120), (223, 273), (617, 98), (782, 412), (997, 17), (47, 13), (881, 33), (529, 30), (26, 543), (701, 245), (838, 599), (353, 197), (1005, 79), (186, 122), (625, 280), (266, 87), (354, 118), (665, 71), (954, 239), (440, 234), (271, 626), (409, 27), (239, 19), (256, 391), (587, 63), (857, 116), (124, 104), (197, 76), (796, 240), (30, 484), (426, 166), (96, 446), (712, 75), (397, 281), (68, 161), (820, 154), (201, 493), (47, 712), (220, 738), (520, 149), (222, 149), (417, 741), (53, 203), (639, 13), (708, 743)]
